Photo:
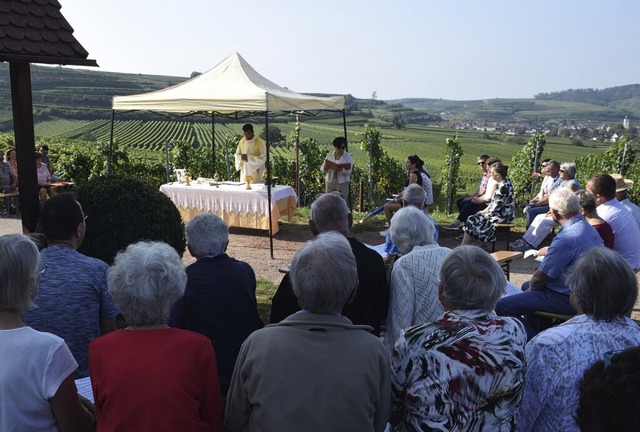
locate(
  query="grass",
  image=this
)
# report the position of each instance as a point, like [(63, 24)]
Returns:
[(52, 128), (265, 290)]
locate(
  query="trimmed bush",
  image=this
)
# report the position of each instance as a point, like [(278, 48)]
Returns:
[(125, 210)]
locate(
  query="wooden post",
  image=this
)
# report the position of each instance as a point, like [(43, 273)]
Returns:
[(25, 144), (449, 204)]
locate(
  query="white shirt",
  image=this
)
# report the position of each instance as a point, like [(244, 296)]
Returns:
[(625, 229), (34, 364), (343, 175), (634, 209)]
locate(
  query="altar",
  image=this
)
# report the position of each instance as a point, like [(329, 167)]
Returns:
[(236, 205)]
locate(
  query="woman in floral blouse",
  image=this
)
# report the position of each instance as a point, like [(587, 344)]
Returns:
[(465, 371)]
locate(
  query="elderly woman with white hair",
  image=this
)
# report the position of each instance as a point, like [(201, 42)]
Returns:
[(149, 376), (220, 298), (414, 277), (465, 371), (414, 196), (37, 391), (604, 290)]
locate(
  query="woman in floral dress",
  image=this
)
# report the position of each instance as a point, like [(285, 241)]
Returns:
[(481, 227)]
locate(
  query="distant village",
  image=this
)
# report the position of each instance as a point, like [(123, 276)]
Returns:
[(585, 131)]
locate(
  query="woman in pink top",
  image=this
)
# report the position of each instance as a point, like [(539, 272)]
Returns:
[(44, 178), (10, 157)]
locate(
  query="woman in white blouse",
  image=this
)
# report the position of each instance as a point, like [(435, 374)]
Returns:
[(337, 167)]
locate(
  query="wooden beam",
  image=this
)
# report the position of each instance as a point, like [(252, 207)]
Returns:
[(21, 98)]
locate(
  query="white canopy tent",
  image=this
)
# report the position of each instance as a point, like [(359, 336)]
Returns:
[(230, 88)]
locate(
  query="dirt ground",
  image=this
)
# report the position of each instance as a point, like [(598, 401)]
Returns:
[(253, 247)]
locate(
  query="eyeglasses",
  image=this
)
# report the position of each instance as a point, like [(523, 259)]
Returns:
[(341, 148), (40, 272), (563, 170), (481, 163)]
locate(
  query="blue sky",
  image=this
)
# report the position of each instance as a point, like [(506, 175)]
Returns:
[(462, 50)]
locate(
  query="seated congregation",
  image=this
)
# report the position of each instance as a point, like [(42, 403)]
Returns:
[(435, 339)]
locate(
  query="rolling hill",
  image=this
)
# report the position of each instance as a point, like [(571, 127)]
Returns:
[(81, 94)]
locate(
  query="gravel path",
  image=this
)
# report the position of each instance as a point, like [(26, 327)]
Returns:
[(252, 246)]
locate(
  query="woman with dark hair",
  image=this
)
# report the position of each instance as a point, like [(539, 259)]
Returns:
[(337, 166), (609, 393), (588, 210), (10, 156), (603, 291), (418, 174), (481, 227)]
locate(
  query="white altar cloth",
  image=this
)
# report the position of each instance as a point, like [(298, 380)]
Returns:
[(235, 204)]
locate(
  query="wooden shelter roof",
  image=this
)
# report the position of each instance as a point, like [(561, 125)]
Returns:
[(34, 31)]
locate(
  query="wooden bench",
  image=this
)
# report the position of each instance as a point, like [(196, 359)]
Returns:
[(503, 232), (62, 185), (504, 258), (11, 196), (553, 319)]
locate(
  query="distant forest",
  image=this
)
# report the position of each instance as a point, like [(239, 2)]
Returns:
[(602, 97)]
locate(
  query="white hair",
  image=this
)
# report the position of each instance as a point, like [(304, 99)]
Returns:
[(471, 279), (206, 234), (19, 264), (564, 201), (145, 281), (409, 228), (324, 273)]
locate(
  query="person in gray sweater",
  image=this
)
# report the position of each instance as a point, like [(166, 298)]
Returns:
[(315, 370)]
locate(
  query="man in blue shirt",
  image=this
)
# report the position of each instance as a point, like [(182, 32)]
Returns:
[(547, 290), (72, 300)]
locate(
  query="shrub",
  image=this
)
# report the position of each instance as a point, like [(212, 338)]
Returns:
[(522, 165), (388, 174), (451, 160), (124, 210)]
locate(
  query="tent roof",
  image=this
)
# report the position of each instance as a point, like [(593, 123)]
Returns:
[(232, 86)]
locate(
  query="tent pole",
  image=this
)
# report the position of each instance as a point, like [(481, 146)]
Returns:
[(344, 126), (298, 155), (113, 117), (166, 157), (268, 167), (226, 156), (213, 142)]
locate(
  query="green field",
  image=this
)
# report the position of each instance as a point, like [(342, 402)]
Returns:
[(426, 142)]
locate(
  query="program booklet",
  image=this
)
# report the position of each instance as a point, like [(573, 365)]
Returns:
[(84, 388), (532, 252)]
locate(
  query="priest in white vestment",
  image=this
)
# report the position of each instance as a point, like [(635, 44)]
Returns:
[(251, 155)]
